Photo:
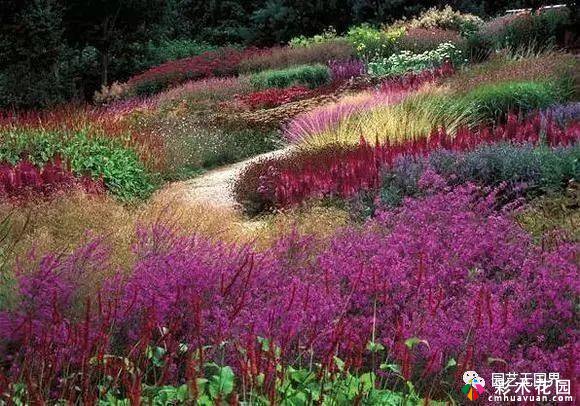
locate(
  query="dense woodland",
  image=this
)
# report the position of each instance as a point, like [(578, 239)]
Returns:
[(52, 51)]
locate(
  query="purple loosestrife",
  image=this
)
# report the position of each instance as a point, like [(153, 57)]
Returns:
[(220, 292), (453, 272), (449, 271)]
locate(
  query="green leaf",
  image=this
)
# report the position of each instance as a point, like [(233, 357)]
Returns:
[(222, 383), (373, 346), (339, 363), (451, 363), (390, 367), (413, 341), (367, 381)]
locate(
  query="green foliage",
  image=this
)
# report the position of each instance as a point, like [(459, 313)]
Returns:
[(544, 170), (371, 43), (489, 102), (120, 168), (7, 243), (155, 53), (296, 386), (193, 145), (307, 75), (303, 41), (52, 51), (37, 68), (406, 61), (485, 104)]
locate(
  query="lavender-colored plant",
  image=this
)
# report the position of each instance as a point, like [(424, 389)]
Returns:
[(344, 70), (563, 113), (446, 277)]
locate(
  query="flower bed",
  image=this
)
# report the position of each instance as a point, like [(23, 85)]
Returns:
[(273, 97), (396, 289), (25, 180), (343, 172), (221, 62)]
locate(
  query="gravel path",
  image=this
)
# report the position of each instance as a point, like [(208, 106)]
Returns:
[(214, 187)]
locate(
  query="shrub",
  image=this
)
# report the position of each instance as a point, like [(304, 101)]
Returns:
[(344, 70), (406, 61), (188, 301), (286, 57), (221, 62), (371, 43), (419, 40), (446, 19), (302, 41), (345, 171), (24, 180), (156, 53), (307, 75), (273, 97)]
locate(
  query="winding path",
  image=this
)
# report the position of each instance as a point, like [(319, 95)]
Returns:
[(215, 186)]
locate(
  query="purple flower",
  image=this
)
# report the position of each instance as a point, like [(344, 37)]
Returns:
[(344, 70)]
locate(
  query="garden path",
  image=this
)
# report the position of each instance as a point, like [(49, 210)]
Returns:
[(215, 186)]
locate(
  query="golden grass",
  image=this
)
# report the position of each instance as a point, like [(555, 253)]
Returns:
[(67, 221), (315, 221), (551, 218), (414, 117), (432, 105)]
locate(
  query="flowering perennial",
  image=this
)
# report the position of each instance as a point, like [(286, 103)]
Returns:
[(25, 180), (273, 97), (221, 62), (344, 70), (446, 278), (343, 172)]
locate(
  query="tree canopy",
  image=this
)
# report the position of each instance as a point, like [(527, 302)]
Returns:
[(56, 50)]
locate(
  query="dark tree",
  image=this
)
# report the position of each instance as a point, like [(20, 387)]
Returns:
[(110, 25)]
